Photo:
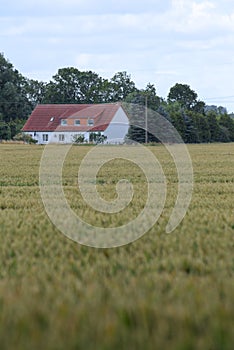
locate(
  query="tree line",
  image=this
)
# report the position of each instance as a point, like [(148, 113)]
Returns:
[(196, 122)]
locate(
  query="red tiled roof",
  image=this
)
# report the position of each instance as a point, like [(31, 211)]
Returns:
[(48, 117)]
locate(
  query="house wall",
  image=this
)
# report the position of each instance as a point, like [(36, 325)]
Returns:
[(56, 137), (118, 127)]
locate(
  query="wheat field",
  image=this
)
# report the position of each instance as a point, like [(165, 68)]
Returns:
[(163, 291)]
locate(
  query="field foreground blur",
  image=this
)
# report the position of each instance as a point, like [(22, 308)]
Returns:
[(164, 291)]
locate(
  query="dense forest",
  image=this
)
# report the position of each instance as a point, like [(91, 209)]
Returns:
[(194, 120)]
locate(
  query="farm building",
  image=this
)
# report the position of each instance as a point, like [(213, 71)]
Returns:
[(63, 123)]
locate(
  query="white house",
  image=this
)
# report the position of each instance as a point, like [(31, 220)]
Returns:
[(62, 123)]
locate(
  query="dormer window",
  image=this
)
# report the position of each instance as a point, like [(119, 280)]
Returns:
[(63, 122), (90, 122), (77, 121)]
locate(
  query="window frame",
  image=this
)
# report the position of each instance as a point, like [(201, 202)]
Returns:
[(63, 122), (45, 137), (61, 137), (90, 122)]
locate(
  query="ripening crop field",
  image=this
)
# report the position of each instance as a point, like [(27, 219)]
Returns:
[(163, 291)]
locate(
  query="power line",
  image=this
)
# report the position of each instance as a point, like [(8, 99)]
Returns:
[(219, 98)]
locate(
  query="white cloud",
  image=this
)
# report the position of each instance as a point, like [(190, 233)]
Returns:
[(84, 60), (81, 7), (198, 17), (163, 42)]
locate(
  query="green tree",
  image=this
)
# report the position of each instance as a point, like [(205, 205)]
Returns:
[(199, 107), (135, 134), (201, 127), (204, 134), (184, 95), (97, 137), (14, 103), (35, 91), (153, 101), (146, 98), (16, 126), (143, 123), (224, 135), (175, 113), (121, 86), (214, 128), (25, 138), (78, 139), (5, 131), (70, 85), (227, 125), (191, 131), (136, 112)]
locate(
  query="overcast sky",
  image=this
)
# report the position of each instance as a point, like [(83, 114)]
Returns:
[(162, 42)]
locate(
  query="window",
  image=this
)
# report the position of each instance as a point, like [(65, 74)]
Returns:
[(51, 119), (90, 122), (61, 137), (63, 122), (77, 122), (45, 137)]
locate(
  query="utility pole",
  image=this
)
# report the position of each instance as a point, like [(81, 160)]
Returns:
[(146, 119)]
